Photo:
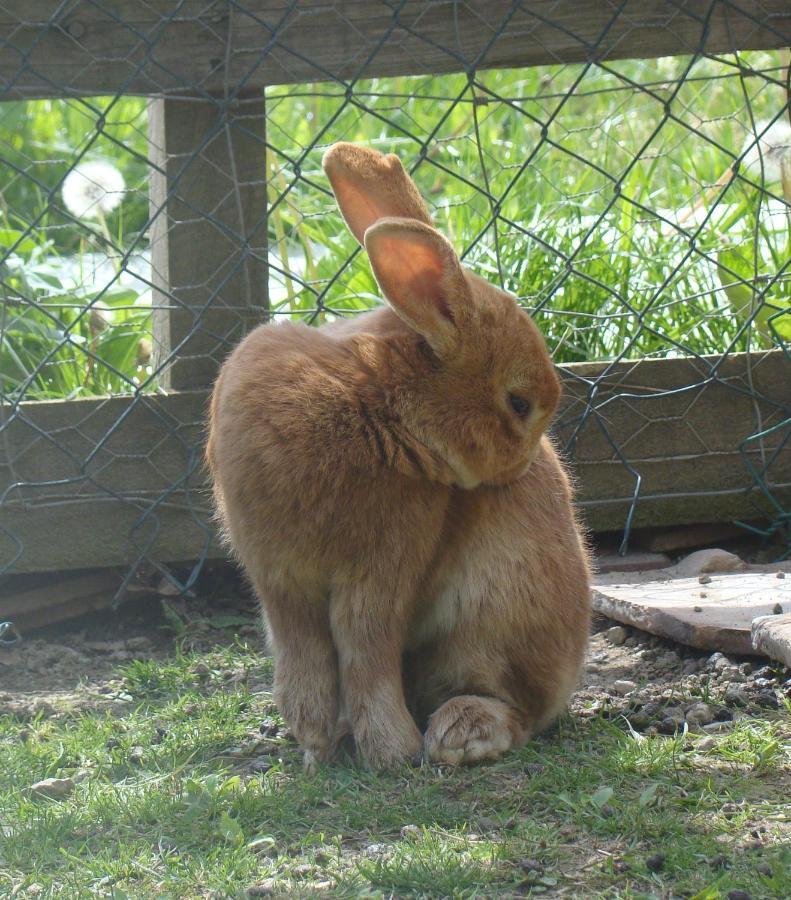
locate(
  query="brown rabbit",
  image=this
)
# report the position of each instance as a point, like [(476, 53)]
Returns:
[(388, 486)]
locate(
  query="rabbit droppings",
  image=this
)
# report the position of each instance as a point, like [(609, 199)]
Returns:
[(387, 484)]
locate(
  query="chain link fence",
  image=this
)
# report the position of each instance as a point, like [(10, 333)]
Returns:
[(624, 168)]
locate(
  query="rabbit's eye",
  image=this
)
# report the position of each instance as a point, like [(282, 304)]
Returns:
[(519, 405)]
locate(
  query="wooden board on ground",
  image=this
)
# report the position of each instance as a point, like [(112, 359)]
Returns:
[(716, 615), (47, 600), (772, 636)]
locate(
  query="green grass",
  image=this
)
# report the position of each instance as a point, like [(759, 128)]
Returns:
[(167, 805), (560, 183)]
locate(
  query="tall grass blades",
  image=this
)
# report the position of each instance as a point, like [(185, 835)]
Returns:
[(638, 208)]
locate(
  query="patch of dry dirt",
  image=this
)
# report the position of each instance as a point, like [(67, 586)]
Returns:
[(654, 683)]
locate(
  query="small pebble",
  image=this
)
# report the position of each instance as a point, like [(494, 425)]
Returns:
[(378, 849), (54, 788), (667, 726), (616, 635), (706, 744), (136, 754), (700, 714), (763, 868), (639, 720), (777, 609), (780, 575), (720, 861), (718, 662), (268, 728), (767, 699), (737, 894), (530, 865), (765, 672), (698, 608), (736, 695), (265, 888), (411, 831), (676, 713), (655, 862), (623, 686), (620, 866), (704, 579)]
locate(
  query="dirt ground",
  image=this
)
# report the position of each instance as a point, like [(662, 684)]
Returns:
[(653, 683)]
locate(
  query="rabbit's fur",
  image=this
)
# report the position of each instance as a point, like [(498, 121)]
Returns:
[(409, 533)]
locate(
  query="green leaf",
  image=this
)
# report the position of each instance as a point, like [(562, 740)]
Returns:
[(21, 242), (229, 829), (736, 274), (601, 796), (228, 620), (648, 795)]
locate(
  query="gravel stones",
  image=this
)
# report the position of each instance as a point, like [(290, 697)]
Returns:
[(616, 635), (53, 788), (699, 714)]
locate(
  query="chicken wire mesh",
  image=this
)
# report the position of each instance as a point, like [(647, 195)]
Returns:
[(640, 209)]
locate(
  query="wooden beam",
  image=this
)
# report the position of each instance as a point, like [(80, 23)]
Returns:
[(45, 600), (208, 233), (89, 483), (197, 48)]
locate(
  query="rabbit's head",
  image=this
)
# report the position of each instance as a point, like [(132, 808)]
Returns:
[(486, 387)]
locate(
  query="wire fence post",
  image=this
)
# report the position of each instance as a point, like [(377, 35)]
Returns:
[(208, 232)]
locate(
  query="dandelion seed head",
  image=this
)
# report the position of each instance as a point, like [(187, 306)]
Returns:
[(770, 145), (92, 188)]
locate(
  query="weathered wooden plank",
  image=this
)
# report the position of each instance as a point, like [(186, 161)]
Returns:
[(54, 600), (97, 482), (199, 47), (208, 233), (771, 635), (715, 616), (679, 424)]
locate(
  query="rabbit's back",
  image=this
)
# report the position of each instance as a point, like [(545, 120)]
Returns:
[(300, 482)]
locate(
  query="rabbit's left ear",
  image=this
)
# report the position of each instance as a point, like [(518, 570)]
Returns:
[(422, 278), (369, 186)]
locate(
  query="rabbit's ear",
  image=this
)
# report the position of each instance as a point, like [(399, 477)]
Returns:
[(369, 186), (422, 279)]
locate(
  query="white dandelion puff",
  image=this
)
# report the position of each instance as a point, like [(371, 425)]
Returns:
[(93, 189), (770, 145)]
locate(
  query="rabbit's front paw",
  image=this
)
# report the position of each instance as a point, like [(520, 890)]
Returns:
[(469, 729), (384, 745), (313, 720)]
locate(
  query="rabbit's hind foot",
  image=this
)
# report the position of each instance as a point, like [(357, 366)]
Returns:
[(468, 729)]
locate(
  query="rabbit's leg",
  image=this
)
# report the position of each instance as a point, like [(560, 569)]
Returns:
[(469, 728), (306, 671), (489, 683), (369, 641)]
